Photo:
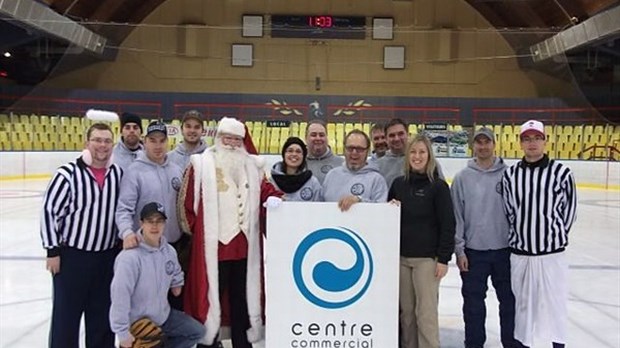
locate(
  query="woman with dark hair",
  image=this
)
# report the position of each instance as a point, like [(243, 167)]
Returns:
[(292, 176), (427, 230)]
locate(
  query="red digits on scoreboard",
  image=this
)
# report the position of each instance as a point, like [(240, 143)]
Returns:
[(320, 21)]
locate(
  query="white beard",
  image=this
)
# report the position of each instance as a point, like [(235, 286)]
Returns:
[(230, 160)]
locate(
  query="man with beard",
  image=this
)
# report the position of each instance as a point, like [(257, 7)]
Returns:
[(320, 157), (356, 181), (391, 165), (192, 129), (220, 204), (379, 145), (151, 178), (128, 148), (481, 241)]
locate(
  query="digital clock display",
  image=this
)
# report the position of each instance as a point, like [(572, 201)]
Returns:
[(321, 21), (318, 27)]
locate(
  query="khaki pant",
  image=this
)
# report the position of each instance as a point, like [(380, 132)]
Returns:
[(419, 299)]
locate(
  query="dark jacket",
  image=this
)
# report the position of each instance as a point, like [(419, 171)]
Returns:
[(427, 222)]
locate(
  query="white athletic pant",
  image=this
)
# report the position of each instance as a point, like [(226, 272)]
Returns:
[(540, 286)]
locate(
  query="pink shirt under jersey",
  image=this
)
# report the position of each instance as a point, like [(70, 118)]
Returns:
[(99, 174)]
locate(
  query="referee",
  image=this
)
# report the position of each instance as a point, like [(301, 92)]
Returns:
[(540, 202), (79, 234)]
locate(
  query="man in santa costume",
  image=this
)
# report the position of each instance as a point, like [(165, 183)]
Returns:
[(221, 207)]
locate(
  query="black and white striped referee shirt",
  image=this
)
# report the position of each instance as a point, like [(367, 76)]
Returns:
[(540, 201), (76, 212)]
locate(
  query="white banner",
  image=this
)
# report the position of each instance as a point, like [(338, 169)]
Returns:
[(332, 276)]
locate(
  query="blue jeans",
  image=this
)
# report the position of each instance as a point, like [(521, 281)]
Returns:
[(482, 265), (181, 330)]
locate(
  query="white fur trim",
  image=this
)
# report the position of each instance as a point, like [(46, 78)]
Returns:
[(231, 126), (260, 161), (87, 157), (204, 171), (102, 115), (255, 334)]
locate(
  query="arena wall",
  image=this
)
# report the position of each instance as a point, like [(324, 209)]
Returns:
[(39, 165), (450, 51)]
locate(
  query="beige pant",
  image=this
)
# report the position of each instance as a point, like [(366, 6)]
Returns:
[(419, 299)]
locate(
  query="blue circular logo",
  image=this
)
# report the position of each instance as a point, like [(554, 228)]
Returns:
[(324, 283), (306, 193)]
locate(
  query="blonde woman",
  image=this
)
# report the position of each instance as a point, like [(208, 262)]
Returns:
[(426, 243)]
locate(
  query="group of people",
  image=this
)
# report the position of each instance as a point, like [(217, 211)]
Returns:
[(190, 224)]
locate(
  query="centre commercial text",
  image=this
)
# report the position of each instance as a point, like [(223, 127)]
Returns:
[(335, 335)]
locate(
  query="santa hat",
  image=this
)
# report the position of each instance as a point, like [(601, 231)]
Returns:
[(232, 126)]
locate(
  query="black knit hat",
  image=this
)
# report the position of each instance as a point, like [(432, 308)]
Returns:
[(128, 117), (295, 140)]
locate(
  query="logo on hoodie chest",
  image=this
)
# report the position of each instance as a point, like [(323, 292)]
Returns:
[(357, 189), (326, 168), (169, 267), (176, 183), (306, 194), (499, 187)]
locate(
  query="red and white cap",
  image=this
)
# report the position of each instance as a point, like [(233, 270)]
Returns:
[(532, 126)]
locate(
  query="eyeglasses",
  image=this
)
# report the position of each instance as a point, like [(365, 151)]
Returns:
[(531, 140), (357, 149), (106, 141)]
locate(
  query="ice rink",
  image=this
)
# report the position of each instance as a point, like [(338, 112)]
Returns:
[(594, 254)]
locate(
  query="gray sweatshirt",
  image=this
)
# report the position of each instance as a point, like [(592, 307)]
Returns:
[(142, 278), (367, 183), (391, 166), (320, 166), (146, 182), (308, 192), (125, 157), (180, 155), (481, 223)]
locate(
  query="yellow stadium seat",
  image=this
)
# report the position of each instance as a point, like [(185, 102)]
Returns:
[(302, 129), (413, 129), (16, 145), (295, 129), (331, 135), (284, 134), (347, 128), (366, 128), (4, 118), (274, 141)]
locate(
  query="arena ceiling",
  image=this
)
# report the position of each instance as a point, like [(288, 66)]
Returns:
[(542, 18)]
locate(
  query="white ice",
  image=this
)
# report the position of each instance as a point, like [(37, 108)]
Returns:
[(594, 254)]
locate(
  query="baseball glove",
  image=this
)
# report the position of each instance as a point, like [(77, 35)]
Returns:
[(147, 334)]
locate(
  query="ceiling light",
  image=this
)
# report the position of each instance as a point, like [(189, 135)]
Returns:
[(7, 54)]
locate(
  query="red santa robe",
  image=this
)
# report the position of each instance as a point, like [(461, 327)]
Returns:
[(200, 212)]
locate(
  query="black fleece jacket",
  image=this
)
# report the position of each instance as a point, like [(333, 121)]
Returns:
[(427, 223)]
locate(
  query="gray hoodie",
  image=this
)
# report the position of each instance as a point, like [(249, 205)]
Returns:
[(142, 278), (320, 166), (391, 166), (146, 182), (125, 157), (180, 155), (481, 223), (366, 183), (308, 192)]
